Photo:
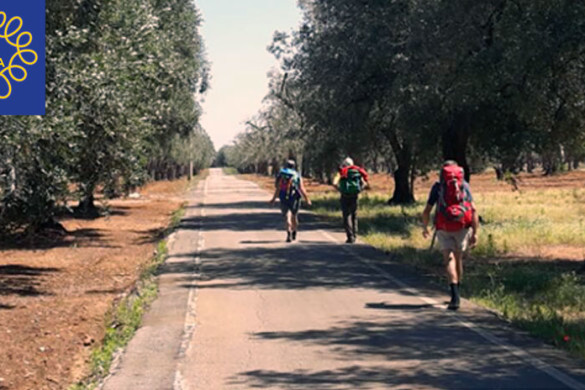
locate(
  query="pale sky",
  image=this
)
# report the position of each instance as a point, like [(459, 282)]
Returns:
[(236, 35)]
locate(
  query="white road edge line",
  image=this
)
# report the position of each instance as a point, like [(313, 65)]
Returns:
[(518, 352), (190, 320)]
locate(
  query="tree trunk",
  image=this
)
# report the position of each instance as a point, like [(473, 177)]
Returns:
[(551, 163), (499, 173), (87, 207), (12, 176), (190, 170), (530, 163), (455, 139), (412, 176), (403, 193)]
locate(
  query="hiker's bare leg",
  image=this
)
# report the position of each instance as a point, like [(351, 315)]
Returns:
[(459, 265), (451, 266), (294, 222), (354, 223), (289, 218)]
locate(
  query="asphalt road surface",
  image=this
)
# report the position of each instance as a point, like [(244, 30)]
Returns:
[(241, 309)]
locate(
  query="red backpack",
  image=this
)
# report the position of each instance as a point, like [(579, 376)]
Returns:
[(454, 210)]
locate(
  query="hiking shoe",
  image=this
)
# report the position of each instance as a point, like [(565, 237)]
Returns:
[(350, 240), (288, 237), (454, 304), (294, 235)]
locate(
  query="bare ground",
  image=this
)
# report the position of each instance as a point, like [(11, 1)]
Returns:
[(54, 295)]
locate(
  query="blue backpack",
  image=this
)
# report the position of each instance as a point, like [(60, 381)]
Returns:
[(289, 185)]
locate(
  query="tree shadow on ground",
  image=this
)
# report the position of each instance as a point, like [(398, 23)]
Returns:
[(395, 223), (249, 221), (426, 351), (101, 211), (76, 238), (529, 290), (386, 306), (150, 236), (22, 280), (302, 266), (307, 265), (524, 275)]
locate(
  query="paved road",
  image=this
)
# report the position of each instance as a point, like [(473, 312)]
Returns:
[(241, 309)]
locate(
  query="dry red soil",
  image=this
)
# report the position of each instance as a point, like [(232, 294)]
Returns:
[(55, 295)]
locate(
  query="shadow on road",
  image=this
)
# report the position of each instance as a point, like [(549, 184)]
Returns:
[(296, 266), (242, 222), (386, 306), (427, 352)]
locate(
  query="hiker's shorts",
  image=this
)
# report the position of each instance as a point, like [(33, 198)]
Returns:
[(454, 241), (292, 205)]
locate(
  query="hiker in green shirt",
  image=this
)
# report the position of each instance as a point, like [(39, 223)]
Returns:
[(350, 181)]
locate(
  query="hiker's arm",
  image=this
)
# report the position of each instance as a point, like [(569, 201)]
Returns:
[(304, 192), (426, 218), (365, 183), (365, 178), (276, 187), (474, 226), (336, 180), (364, 174)]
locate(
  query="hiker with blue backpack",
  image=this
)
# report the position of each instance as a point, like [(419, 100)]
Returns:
[(456, 222), (290, 190), (350, 181)]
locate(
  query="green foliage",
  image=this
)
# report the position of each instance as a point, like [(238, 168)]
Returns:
[(122, 84), (402, 85)]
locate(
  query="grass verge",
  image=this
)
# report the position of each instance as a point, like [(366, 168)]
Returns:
[(125, 317), (543, 296)]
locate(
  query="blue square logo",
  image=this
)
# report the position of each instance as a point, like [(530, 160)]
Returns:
[(22, 57)]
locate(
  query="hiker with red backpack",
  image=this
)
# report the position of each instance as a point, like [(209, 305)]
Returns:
[(350, 181), (290, 190), (456, 222)]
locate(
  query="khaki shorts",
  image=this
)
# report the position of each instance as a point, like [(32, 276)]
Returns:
[(454, 241)]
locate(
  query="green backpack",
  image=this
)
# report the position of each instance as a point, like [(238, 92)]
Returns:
[(351, 181)]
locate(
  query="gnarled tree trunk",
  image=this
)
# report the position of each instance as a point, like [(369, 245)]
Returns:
[(403, 193), (455, 138)]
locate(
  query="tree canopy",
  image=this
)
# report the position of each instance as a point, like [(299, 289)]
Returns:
[(123, 80), (401, 85)]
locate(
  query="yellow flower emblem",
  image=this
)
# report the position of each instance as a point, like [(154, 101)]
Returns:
[(20, 41)]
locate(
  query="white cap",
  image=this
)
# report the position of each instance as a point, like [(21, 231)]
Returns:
[(347, 162)]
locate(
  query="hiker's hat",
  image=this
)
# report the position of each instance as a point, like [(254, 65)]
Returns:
[(290, 164), (347, 162)]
